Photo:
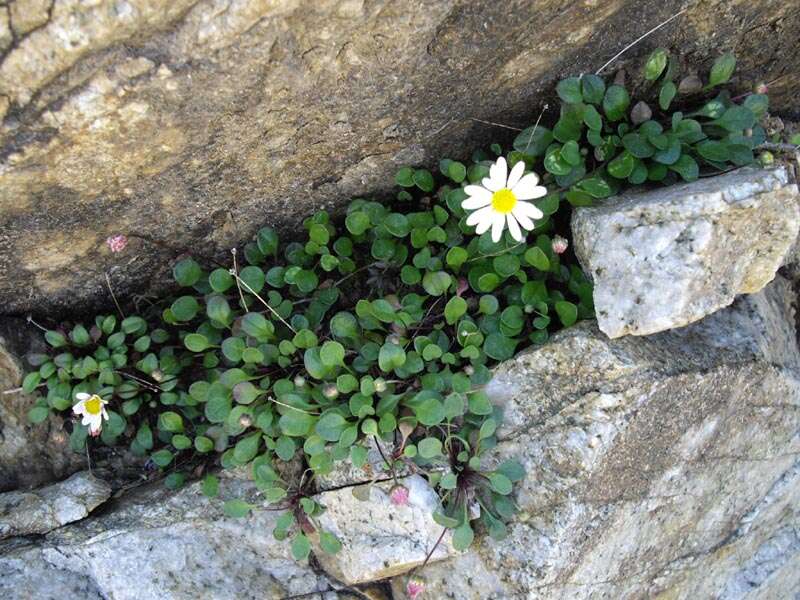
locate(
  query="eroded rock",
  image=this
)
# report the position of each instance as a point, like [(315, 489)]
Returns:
[(155, 544), (666, 258), (662, 466), (45, 509), (187, 124), (380, 539), (30, 455)]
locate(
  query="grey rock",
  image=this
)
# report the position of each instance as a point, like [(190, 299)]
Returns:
[(666, 258), (380, 539), (345, 473), (186, 124), (155, 544), (30, 455), (662, 466), (45, 509)]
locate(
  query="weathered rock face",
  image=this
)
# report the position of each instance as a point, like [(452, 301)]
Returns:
[(26, 513), (664, 466), (30, 455), (379, 539), (156, 544), (189, 123), (669, 257)]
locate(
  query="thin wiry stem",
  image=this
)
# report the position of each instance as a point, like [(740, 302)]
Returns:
[(113, 296), (639, 39)]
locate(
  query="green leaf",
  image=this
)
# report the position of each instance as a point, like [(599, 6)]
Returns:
[(424, 180), (196, 342), (332, 354), (500, 483), (429, 447), (463, 536), (185, 308), (637, 145), (736, 118), (357, 222), (592, 89), (498, 346), (237, 509), (592, 118), (330, 426), (436, 283), (616, 102), (38, 414), (162, 458), (329, 542), (666, 95), (55, 338), (567, 312), (404, 177), (247, 448), (170, 421), (722, 69), (301, 547), (655, 65), (455, 308), (569, 90), (390, 357), (622, 165), (295, 423), (187, 272), (210, 486), (686, 167), (536, 257), (257, 326), (533, 140), (430, 412)]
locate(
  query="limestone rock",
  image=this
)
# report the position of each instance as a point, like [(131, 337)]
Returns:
[(345, 473), (666, 258), (380, 539), (187, 124), (665, 466), (45, 509), (30, 455), (154, 544)]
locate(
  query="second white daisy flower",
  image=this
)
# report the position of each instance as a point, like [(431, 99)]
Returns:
[(92, 409), (501, 201)]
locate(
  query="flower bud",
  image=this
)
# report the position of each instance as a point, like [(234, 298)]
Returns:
[(529, 308), (299, 381), (330, 392), (559, 244), (380, 385), (245, 421), (117, 243), (766, 159), (157, 375), (414, 588), (761, 88), (393, 338), (469, 370), (398, 495)]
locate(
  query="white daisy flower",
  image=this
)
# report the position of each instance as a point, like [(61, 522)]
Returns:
[(93, 410), (501, 199)]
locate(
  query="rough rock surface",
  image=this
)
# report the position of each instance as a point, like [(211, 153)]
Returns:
[(666, 258), (664, 466), (186, 124), (30, 455), (380, 539), (41, 511), (155, 544)]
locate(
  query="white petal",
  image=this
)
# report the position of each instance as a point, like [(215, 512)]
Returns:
[(498, 172), (513, 228), (105, 413), (498, 223), (478, 197), (527, 189), (516, 174), (527, 209), (523, 219), (492, 185), (95, 424), (83, 396), (87, 419), (480, 215), (79, 408), (486, 221)]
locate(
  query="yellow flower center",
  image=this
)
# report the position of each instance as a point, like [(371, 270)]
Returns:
[(94, 405), (503, 201)]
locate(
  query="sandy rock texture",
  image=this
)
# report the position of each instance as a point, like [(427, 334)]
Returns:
[(187, 124)]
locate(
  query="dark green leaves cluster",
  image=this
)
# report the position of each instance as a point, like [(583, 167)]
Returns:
[(603, 141)]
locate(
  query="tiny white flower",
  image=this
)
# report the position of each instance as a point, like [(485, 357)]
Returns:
[(501, 200), (93, 410)]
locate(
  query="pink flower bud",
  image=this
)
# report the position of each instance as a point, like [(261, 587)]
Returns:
[(399, 495), (414, 588), (761, 88), (560, 244), (117, 243)]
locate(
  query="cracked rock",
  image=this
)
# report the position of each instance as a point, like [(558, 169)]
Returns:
[(380, 539), (666, 258), (661, 466), (45, 509)]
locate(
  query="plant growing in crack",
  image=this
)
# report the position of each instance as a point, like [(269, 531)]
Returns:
[(383, 327)]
